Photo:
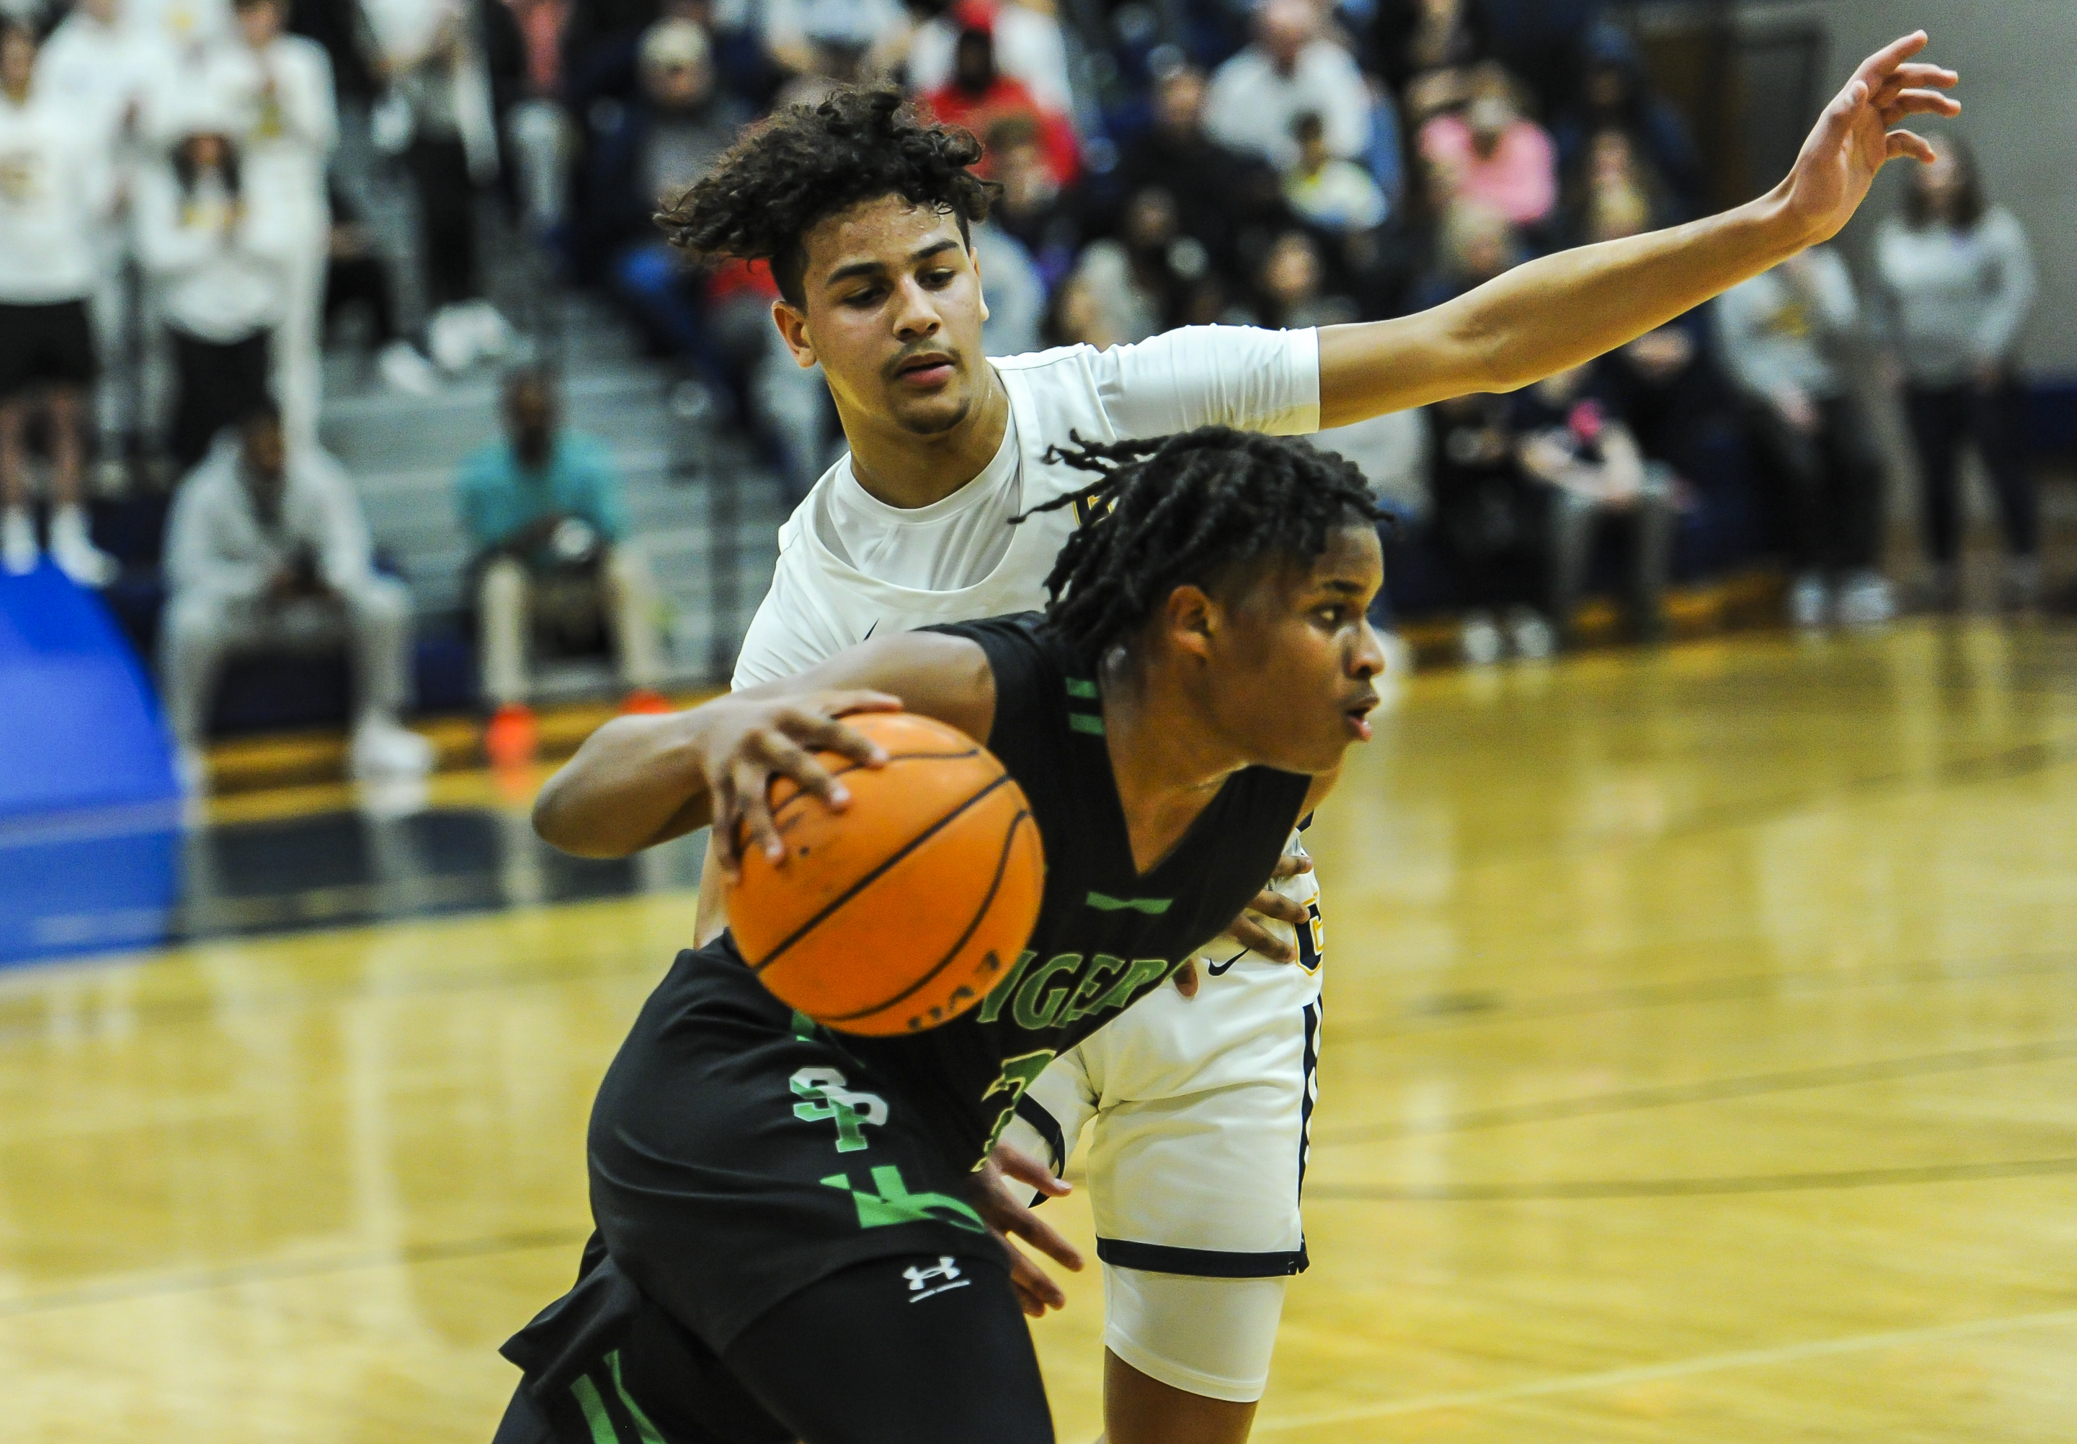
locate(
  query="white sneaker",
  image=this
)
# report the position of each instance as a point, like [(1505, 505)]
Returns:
[(1479, 640), (19, 549), (491, 332), (76, 555), (1866, 600), (384, 748), (451, 337), (1809, 601), (1530, 635), (403, 369)]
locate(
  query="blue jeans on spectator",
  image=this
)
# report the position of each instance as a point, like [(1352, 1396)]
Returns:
[(1942, 418), (665, 297)]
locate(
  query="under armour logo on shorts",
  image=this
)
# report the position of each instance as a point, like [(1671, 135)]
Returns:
[(920, 1287)]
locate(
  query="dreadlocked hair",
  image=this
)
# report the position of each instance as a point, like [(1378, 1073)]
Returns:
[(1188, 509), (806, 163)]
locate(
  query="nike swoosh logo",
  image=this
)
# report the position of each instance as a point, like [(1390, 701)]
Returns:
[(1219, 970), (869, 631)]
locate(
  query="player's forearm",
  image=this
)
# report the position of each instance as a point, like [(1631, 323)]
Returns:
[(635, 782), (1549, 314)]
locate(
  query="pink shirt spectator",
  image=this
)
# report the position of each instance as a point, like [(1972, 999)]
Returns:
[(1519, 179)]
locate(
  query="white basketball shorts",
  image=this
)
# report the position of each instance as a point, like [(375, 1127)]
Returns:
[(1199, 1110)]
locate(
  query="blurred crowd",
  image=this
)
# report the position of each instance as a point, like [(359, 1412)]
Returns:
[(179, 228)]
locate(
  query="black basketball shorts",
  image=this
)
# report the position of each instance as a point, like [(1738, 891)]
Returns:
[(45, 345)]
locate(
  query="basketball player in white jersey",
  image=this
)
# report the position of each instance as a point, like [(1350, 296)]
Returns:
[(1200, 1103)]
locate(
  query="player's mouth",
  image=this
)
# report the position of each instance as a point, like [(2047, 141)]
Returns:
[(1356, 714), (925, 371)]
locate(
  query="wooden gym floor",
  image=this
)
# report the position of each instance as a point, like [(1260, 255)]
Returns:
[(1701, 1065)]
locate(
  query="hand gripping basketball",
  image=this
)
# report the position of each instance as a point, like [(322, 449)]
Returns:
[(899, 909)]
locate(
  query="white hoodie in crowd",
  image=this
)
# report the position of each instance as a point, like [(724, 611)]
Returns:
[(54, 195), (221, 262), (285, 135), (216, 544), (99, 73)]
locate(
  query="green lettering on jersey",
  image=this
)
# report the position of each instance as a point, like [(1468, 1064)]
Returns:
[(1142, 972), (1085, 998), (890, 1203), (992, 1005), (1103, 902), (1036, 1005), (1018, 1074), (1083, 722), (1079, 687)]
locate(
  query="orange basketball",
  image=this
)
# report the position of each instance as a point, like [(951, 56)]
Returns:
[(902, 911)]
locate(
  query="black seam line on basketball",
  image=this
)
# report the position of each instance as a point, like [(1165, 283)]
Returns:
[(1592, 1188), (1715, 1090), (1002, 865), (857, 887), (232, 1275), (850, 766), (1478, 1009)]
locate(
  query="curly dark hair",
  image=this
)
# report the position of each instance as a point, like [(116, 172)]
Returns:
[(1188, 509), (806, 163)]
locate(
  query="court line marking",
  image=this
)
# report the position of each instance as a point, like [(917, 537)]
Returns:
[(204, 1280), (1713, 1090), (1677, 1369), (1585, 1188)]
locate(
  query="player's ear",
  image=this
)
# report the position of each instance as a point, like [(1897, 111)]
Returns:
[(973, 255), (792, 322), (1191, 619)]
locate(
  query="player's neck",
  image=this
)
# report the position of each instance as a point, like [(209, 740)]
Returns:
[(903, 469), (1167, 763)]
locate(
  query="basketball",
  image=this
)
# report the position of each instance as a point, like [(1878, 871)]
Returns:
[(902, 911)]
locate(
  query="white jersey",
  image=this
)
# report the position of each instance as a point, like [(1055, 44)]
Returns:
[(842, 566)]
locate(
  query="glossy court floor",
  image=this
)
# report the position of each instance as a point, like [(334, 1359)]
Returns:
[(1701, 1064)]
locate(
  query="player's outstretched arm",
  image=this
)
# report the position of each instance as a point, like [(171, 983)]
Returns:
[(1557, 312), (638, 781)]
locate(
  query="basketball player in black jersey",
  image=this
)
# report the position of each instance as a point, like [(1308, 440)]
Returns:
[(795, 1239)]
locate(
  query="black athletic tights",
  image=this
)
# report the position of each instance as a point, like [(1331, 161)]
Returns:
[(855, 1359)]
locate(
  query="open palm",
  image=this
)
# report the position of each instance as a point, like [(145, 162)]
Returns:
[(1854, 137)]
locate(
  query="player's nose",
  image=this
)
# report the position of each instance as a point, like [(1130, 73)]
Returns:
[(1368, 660), (917, 315)]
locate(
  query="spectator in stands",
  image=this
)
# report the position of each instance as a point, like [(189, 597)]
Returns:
[(357, 276), (1178, 154), (1139, 282), (1410, 39), (54, 199), (1473, 245), (1492, 154), (820, 41), (449, 62), (1616, 94), (277, 88), (1015, 289), (100, 70), (1489, 523), (1335, 195), (1784, 334), (1031, 208), (1573, 444), (219, 252), (1292, 285), (1288, 69), (979, 96), (1957, 282), (1028, 48), (544, 513), (267, 551), (1614, 193)]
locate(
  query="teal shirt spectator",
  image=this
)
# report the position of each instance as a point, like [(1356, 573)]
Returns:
[(499, 498)]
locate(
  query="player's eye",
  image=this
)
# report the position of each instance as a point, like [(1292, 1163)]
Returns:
[(860, 300), (938, 279)]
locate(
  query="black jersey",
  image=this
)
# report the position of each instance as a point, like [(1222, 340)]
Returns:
[(738, 1153), (1107, 935)]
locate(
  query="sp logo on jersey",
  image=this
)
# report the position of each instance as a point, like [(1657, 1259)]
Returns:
[(925, 1283)]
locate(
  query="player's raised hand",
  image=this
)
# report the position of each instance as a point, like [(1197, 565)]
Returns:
[(745, 742), (1857, 134), (996, 1198)]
